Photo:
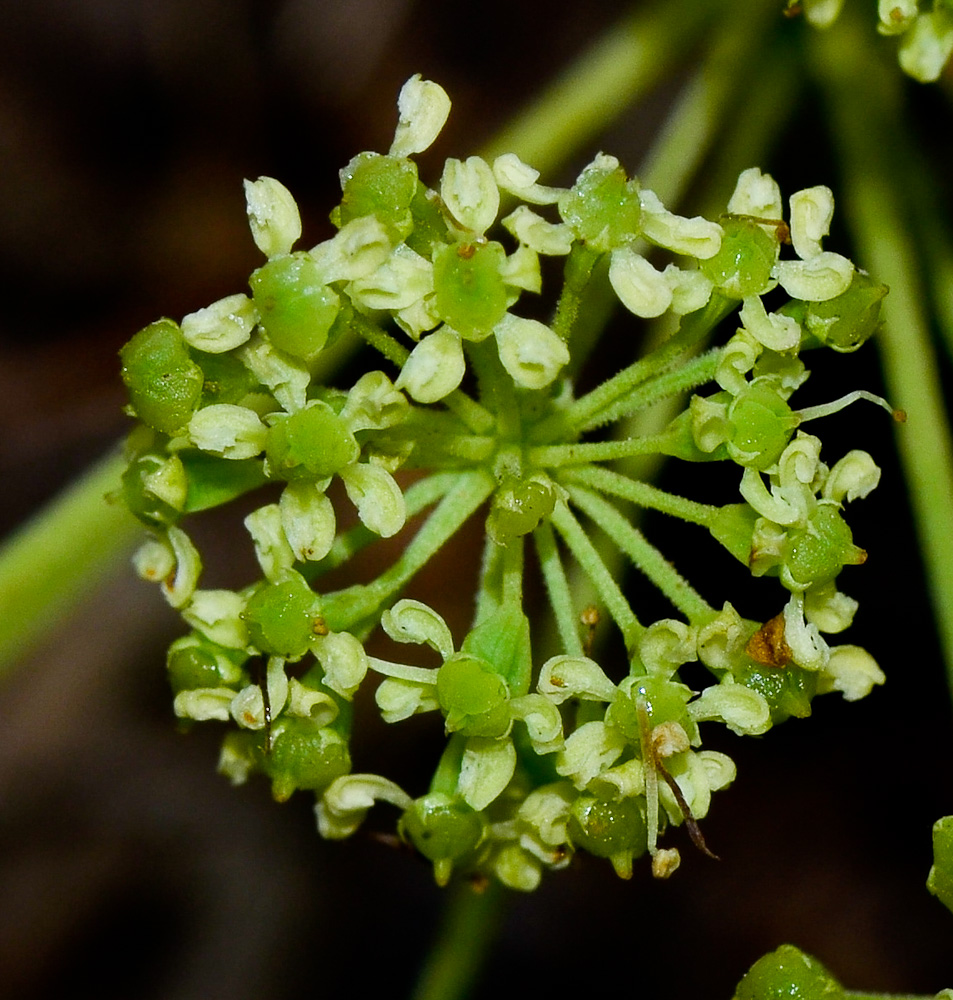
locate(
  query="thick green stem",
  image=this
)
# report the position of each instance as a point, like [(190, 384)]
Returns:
[(59, 556), (465, 935), (863, 101), (645, 556)]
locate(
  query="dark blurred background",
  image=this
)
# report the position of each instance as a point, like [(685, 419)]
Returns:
[(127, 867)]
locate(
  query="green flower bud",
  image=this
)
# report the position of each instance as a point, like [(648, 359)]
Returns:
[(155, 489), (518, 509), (442, 828), (788, 974), (817, 552), (742, 266), (283, 617), (734, 526), (313, 443), (603, 207), (296, 307), (605, 828), (303, 756), (382, 186), (788, 690), (762, 424), (473, 699), (469, 292), (164, 382)]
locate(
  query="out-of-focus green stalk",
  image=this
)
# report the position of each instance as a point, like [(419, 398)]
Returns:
[(60, 555), (865, 111), (602, 83)]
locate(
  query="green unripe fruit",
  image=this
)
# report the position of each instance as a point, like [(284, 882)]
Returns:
[(664, 700), (283, 617), (518, 510), (227, 380), (742, 266), (442, 828), (313, 443), (472, 697), (303, 756), (296, 307), (762, 424), (382, 186), (469, 292), (847, 320), (788, 690), (733, 526), (788, 974), (606, 828), (193, 665), (164, 383), (603, 207), (816, 553)]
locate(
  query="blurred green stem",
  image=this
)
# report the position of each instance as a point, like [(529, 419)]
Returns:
[(865, 107), (60, 555), (465, 935)]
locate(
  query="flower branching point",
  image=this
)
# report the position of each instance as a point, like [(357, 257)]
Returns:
[(543, 759)]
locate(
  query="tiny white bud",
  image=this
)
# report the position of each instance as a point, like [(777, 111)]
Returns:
[(532, 230), (485, 770), (896, 16), (272, 215), (811, 212), (470, 194), (411, 621), (423, 106), (852, 671), (640, 288), (773, 330), (927, 47), (435, 368), (271, 546), (307, 517), (227, 430), (344, 661), (222, 326), (696, 237), (816, 279), (375, 493), (530, 351), (756, 194)]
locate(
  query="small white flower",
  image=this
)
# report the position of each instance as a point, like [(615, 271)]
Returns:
[(272, 215), (469, 191)]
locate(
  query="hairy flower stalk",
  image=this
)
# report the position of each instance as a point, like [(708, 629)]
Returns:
[(542, 759)]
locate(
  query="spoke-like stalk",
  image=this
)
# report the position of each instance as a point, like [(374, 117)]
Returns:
[(593, 566), (346, 608), (557, 589), (642, 494), (561, 455), (645, 556), (589, 410)]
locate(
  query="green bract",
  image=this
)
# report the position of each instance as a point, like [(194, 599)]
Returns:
[(473, 409)]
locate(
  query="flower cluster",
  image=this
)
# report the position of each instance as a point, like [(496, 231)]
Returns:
[(542, 759), (926, 36)]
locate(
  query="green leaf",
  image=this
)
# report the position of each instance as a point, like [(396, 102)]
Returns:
[(940, 880)]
